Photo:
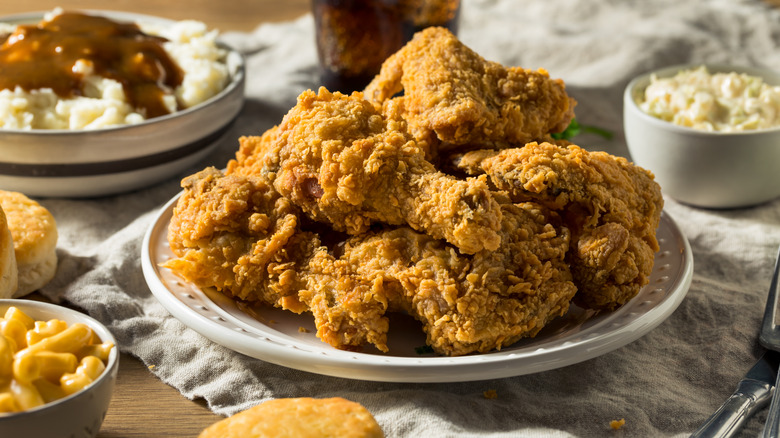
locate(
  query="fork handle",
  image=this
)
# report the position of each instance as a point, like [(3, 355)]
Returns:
[(772, 425), (727, 421)]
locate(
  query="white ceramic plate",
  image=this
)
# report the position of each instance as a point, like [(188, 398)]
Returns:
[(287, 339)]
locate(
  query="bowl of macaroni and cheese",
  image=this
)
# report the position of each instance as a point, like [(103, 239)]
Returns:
[(94, 103), (709, 133), (58, 367)]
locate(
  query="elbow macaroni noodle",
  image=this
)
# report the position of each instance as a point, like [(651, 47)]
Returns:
[(42, 361)]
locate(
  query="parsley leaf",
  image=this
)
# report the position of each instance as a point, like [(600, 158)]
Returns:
[(425, 349), (574, 129)]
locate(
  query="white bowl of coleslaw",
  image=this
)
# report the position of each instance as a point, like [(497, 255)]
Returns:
[(709, 133), (79, 414)]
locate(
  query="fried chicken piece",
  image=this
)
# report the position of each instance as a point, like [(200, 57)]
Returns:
[(473, 303), (612, 207), (251, 153), (238, 235), (453, 97), (348, 310), (345, 164)]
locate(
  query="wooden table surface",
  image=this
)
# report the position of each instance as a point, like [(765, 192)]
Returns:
[(242, 15), (142, 405)]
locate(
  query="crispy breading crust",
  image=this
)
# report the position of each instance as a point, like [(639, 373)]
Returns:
[(453, 97), (238, 235), (339, 210), (473, 303), (612, 207), (347, 165), (466, 303)]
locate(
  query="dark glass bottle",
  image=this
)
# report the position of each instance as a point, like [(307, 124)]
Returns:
[(354, 37)]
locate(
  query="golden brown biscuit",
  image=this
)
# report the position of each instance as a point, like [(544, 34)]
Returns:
[(299, 418), (34, 233), (8, 270)]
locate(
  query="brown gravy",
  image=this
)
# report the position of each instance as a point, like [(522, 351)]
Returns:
[(43, 56)]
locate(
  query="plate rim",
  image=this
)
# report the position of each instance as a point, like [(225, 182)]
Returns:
[(363, 366)]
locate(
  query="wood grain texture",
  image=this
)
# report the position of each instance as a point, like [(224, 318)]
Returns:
[(241, 15), (144, 406)]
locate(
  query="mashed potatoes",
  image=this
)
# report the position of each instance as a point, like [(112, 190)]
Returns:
[(103, 101), (723, 102)]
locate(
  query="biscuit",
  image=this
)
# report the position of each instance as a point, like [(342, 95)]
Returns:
[(300, 418), (8, 270), (34, 233)]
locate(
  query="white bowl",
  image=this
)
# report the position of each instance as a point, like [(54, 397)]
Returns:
[(704, 169), (77, 415), (63, 163)]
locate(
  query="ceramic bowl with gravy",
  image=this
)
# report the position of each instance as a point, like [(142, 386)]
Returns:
[(114, 159)]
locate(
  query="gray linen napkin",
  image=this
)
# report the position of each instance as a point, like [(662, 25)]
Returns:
[(664, 384)]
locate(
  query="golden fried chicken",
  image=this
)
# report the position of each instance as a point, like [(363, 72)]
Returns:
[(473, 303), (348, 310), (453, 96), (238, 235), (347, 165), (234, 233), (339, 211), (251, 153), (612, 207)]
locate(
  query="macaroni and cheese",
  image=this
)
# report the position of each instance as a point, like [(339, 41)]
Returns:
[(42, 361), (724, 102)]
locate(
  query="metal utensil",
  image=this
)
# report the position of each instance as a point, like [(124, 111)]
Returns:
[(770, 338), (755, 390), (753, 393)]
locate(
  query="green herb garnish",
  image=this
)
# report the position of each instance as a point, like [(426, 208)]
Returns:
[(425, 349), (574, 129)]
